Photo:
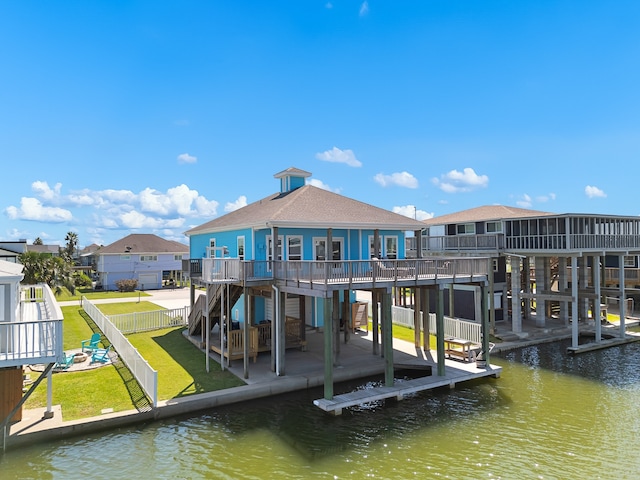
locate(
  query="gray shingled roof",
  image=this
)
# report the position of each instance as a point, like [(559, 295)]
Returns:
[(309, 207), (137, 243), (485, 213)]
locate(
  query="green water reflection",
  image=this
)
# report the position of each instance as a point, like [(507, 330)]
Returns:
[(549, 416)]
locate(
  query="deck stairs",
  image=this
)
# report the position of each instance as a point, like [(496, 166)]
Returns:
[(196, 316)]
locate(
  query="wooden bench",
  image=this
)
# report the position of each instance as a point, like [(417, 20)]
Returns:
[(459, 348), (234, 349), (293, 335)]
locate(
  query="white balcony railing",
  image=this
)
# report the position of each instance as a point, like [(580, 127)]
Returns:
[(342, 272), (36, 336)]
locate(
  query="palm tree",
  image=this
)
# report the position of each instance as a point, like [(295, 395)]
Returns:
[(72, 244)]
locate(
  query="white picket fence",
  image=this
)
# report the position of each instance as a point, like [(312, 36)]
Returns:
[(453, 327), (146, 321), (146, 376)]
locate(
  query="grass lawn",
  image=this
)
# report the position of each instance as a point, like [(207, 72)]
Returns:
[(127, 307), (180, 365), (91, 294)]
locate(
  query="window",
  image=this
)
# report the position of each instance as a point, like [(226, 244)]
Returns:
[(629, 261), (495, 264), (294, 247), (466, 229), (148, 258), (241, 248), (494, 227), (212, 248), (391, 247), (320, 251), (270, 248), (177, 257), (125, 257)]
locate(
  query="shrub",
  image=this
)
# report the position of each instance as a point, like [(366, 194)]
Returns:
[(127, 285)]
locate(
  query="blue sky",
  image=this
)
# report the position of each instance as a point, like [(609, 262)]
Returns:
[(123, 117)]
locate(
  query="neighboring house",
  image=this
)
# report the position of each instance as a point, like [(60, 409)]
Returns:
[(10, 251), (51, 250), (294, 260), (87, 256), (553, 254), (144, 257), (30, 333)]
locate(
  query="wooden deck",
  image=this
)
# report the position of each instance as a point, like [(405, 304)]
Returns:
[(454, 374)]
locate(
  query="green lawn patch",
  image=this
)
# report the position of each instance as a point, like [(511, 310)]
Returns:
[(84, 394), (91, 294), (180, 364), (127, 307)]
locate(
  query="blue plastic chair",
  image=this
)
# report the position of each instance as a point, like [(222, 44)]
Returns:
[(101, 355), (68, 361), (92, 343)]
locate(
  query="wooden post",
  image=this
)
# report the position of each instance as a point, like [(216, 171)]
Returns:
[(426, 333), (416, 320), (440, 330), (574, 301), (623, 301), (346, 315), (247, 326), (375, 321), (328, 350), (280, 344), (387, 332), (485, 323), (335, 317)]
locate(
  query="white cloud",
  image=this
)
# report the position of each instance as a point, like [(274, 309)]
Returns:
[(45, 192), (400, 179), (412, 211), (593, 192), (339, 156), (524, 202), (186, 158), (465, 181), (320, 184), (546, 198), (33, 209), (239, 203), (364, 8)]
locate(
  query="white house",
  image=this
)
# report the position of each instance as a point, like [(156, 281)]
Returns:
[(144, 257)]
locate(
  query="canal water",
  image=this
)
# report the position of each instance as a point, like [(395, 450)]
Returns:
[(549, 416)]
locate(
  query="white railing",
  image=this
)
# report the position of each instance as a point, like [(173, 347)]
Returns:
[(147, 321), (454, 327), (342, 271), (26, 343), (146, 376), (403, 316), (36, 335)]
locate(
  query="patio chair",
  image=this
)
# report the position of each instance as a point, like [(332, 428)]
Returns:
[(68, 361), (92, 343), (101, 355)]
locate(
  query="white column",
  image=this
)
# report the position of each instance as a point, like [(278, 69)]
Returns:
[(623, 303), (540, 286), (595, 266), (583, 284), (574, 302), (563, 286), (516, 310)]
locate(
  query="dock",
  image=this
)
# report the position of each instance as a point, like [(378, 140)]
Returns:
[(455, 372)]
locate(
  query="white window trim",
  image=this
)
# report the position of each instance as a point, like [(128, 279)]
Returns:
[(473, 232), (498, 225), (340, 240), (241, 240), (298, 237)]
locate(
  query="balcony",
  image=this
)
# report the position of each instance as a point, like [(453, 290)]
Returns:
[(35, 336), (330, 275)]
